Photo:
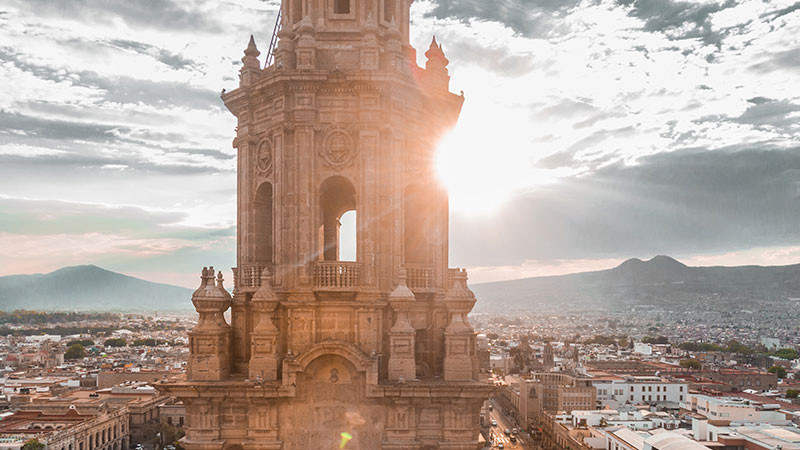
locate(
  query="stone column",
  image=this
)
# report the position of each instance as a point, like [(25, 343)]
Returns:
[(264, 337), (210, 340), (401, 336), (370, 49), (459, 335), (284, 53), (306, 49)]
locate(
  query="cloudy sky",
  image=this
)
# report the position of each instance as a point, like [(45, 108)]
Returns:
[(593, 131)]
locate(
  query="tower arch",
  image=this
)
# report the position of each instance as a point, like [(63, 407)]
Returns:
[(337, 196), (263, 207)]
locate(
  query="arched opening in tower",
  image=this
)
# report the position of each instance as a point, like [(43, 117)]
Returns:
[(337, 199), (263, 224), (347, 236), (418, 226)]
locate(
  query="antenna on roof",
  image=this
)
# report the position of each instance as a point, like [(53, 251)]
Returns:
[(274, 41)]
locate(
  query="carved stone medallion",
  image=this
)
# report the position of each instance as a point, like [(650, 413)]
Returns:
[(264, 157), (338, 150)]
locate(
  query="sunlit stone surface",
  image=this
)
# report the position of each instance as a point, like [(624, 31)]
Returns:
[(379, 348)]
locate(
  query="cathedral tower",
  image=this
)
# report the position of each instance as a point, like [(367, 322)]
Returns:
[(378, 347)]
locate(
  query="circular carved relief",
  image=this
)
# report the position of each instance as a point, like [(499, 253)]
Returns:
[(338, 149), (264, 157)]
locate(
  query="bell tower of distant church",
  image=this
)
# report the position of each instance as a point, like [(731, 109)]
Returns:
[(378, 347)]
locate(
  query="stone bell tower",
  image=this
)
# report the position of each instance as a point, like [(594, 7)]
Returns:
[(379, 348)]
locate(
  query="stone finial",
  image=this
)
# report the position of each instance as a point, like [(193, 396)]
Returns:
[(371, 24), (251, 49), (401, 292), (435, 53), (394, 31), (305, 26), (250, 59), (265, 293)]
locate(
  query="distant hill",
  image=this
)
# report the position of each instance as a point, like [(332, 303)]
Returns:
[(661, 282), (90, 288)]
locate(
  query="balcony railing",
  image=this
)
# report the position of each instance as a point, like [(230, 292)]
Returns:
[(337, 275), (419, 277), (248, 277)]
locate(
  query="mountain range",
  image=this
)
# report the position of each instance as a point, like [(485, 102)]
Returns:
[(90, 288), (661, 282)]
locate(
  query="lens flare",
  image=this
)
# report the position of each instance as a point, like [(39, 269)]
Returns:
[(345, 439)]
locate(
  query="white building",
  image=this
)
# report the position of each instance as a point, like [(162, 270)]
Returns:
[(771, 343), (615, 391), (642, 348), (736, 410)]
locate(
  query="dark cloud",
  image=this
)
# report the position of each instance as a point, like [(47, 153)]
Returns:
[(531, 18), (176, 61), (38, 127), (788, 59), (156, 93), (498, 60), (775, 113), (89, 163), (165, 14), (690, 201), (672, 17), (781, 12), (120, 89)]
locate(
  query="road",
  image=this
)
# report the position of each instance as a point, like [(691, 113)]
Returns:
[(498, 435)]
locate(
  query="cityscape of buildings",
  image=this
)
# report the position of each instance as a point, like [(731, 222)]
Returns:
[(559, 383)]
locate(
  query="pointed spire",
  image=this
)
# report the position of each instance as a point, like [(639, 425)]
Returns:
[(251, 49), (436, 53), (394, 30), (371, 26)]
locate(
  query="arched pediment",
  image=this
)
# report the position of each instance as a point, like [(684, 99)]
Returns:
[(345, 349), (337, 347)]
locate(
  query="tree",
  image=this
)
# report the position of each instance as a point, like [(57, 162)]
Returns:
[(792, 393), (655, 340), (33, 444), (735, 346), (691, 364), (778, 370), (75, 351), (117, 342), (84, 342), (786, 353)]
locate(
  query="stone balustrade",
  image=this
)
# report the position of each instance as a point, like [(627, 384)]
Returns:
[(336, 275), (248, 277), (420, 277)]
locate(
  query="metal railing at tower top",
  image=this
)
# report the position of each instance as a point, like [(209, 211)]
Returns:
[(274, 41)]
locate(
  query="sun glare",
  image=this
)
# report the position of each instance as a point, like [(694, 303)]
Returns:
[(481, 173)]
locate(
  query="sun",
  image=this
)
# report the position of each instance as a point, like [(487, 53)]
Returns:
[(480, 172)]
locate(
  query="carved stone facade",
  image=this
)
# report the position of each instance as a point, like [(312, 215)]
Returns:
[(379, 348)]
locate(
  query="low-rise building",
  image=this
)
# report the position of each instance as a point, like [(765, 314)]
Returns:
[(613, 391)]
